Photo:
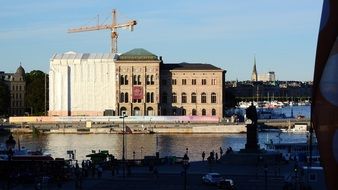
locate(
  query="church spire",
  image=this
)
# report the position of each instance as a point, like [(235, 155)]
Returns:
[(254, 76)]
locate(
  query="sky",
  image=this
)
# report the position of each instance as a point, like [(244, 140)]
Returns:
[(281, 34)]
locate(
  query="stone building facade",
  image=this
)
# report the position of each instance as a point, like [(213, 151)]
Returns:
[(137, 74), (191, 89), (17, 86)]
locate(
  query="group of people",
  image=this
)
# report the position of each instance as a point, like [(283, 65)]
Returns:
[(214, 156)]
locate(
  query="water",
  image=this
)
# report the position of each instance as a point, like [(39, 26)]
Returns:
[(144, 144)]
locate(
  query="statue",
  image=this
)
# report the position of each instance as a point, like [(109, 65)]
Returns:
[(251, 135)]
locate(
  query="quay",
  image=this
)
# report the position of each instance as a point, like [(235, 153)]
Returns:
[(138, 125), (171, 176)]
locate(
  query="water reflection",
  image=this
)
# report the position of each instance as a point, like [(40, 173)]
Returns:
[(143, 144)]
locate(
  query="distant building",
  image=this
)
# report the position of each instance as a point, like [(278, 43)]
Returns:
[(136, 83), (265, 77), (17, 87), (254, 76)]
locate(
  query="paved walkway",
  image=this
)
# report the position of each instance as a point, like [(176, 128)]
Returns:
[(172, 177)]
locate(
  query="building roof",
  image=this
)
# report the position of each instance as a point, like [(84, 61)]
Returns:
[(20, 71), (137, 54), (189, 66), (74, 55)]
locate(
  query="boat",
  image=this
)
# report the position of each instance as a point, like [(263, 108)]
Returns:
[(269, 114), (297, 151)]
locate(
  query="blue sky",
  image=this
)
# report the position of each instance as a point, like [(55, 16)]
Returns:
[(281, 33)]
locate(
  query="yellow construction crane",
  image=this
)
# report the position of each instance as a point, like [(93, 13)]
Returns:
[(113, 27)]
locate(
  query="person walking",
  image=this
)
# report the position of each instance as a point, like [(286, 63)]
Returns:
[(220, 151), (203, 156), (216, 156)]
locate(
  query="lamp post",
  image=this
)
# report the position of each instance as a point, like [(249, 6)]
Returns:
[(185, 167), (123, 146)]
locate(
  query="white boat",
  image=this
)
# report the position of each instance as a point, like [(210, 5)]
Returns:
[(299, 151), (269, 114)]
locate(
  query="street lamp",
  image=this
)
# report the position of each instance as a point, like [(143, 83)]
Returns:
[(185, 167), (123, 149)]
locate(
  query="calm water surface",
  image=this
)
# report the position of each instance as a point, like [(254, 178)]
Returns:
[(144, 144)]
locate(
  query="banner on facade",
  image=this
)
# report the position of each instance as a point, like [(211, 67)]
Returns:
[(137, 92)]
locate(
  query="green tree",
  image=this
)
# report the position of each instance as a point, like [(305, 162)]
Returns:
[(35, 92), (4, 98)]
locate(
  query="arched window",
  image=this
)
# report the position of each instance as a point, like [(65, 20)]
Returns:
[(184, 112), (193, 97), (184, 97), (152, 79), (194, 112), (121, 80), (213, 97), (126, 99), (148, 79), (148, 97), (134, 80), (150, 111), (213, 112), (204, 112), (125, 79), (164, 97), (174, 98), (123, 111), (137, 111), (203, 98), (152, 97), (121, 97), (139, 80)]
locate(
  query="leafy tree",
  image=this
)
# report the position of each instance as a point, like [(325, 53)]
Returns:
[(35, 92), (4, 98)]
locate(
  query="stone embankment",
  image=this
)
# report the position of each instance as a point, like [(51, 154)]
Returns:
[(131, 129)]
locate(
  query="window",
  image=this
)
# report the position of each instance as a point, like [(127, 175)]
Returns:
[(193, 97), (173, 81), (164, 97), (213, 97), (134, 80), (148, 80), (203, 98), (204, 81), (194, 112), (184, 81), (193, 81), (184, 112), (152, 97), (121, 80), (126, 97), (152, 80), (148, 97), (213, 81), (184, 98), (125, 79), (139, 80), (204, 112), (121, 97), (213, 112), (174, 100)]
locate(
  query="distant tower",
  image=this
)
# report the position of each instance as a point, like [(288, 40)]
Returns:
[(254, 76)]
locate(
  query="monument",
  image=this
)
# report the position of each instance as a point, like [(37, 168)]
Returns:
[(251, 130)]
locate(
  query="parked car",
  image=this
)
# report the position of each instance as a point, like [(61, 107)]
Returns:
[(227, 184), (212, 178)]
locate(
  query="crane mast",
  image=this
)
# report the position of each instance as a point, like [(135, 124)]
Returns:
[(113, 27)]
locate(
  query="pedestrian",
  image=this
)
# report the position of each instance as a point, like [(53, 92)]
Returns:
[(216, 156), (203, 156), (220, 151)]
